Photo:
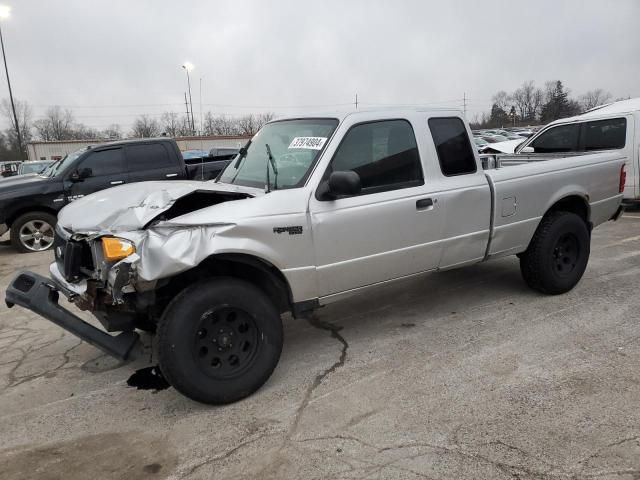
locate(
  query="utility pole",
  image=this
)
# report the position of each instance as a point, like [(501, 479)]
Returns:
[(201, 123), (464, 103), (188, 66), (5, 14), (186, 106), (193, 126), (356, 102)]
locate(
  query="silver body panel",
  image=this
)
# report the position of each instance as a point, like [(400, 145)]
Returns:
[(346, 245)]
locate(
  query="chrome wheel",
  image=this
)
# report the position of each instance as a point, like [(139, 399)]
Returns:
[(36, 235)]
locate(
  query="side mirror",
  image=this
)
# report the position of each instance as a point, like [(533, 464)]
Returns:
[(80, 174), (528, 150), (342, 183)]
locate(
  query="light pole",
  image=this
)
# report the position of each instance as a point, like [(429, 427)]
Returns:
[(4, 14), (188, 66)]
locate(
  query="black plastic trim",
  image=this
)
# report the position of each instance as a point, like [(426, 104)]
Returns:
[(40, 295)]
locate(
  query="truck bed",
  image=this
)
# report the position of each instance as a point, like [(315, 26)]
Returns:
[(523, 188)]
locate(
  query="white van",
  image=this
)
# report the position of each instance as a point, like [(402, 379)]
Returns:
[(615, 126)]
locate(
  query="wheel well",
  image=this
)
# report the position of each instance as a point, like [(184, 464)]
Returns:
[(17, 213), (574, 204), (252, 269)]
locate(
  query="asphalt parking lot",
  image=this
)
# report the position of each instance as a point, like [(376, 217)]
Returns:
[(464, 374)]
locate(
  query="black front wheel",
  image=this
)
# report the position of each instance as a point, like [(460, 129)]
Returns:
[(558, 253), (219, 341)]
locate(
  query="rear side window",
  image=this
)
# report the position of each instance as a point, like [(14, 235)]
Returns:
[(605, 134), (384, 154), (563, 138), (453, 146), (104, 162), (148, 157)]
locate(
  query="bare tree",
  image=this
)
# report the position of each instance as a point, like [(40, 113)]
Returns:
[(521, 101), (80, 131), (502, 100), (24, 114), (247, 124), (527, 100), (265, 118), (594, 98), (112, 132), (250, 124), (144, 127), (171, 124), (220, 125), (57, 124)]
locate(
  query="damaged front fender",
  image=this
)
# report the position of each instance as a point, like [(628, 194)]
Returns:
[(163, 251)]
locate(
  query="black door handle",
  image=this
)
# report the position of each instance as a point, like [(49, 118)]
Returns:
[(424, 203)]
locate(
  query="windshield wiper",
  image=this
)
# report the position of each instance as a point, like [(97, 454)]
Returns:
[(241, 154), (267, 187)]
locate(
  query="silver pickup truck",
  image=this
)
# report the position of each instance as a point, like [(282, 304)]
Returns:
[(313, 209)]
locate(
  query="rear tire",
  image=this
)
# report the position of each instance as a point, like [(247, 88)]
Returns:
[(557, 255), (219, 340), (33, 232)]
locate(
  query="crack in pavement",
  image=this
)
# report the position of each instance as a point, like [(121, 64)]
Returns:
[(278, 459), (509, 468), (222, 456), (12, 377), (335, 333), (272, 467)]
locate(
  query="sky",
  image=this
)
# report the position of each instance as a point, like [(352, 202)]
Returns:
[(110, 60)]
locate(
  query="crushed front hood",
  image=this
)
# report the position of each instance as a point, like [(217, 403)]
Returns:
[(132, 206)]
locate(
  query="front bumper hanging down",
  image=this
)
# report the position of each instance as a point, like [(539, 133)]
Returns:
[(40, 295)]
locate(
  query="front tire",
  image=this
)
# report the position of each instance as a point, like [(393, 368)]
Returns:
[(219, 341), (557, 255), (33, 232)]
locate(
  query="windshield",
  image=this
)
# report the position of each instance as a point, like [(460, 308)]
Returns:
[(295, 146), (60, 166), (33, 167)]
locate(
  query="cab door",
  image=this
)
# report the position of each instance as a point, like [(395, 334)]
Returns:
[(100, 169), (392, 228), (152, 161)]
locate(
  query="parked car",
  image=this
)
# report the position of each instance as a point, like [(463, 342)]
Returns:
[(191, 154), (224, 153), (505, 147), (34, 167), (29, 204), (9, 169), (494, 138), (480, 142), (312, 211), (614, 127)]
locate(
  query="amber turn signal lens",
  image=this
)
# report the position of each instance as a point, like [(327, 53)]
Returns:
[(116, 248)]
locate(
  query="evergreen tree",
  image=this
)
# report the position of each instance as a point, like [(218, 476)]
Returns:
[(558, 104), (499, 116)]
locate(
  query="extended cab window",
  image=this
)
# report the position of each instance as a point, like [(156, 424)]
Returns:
[(453, 146), (605, 134), (104, 162), (563, 138), (384, 154), (147, 157)]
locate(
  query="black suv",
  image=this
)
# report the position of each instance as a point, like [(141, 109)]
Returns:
[(29, 204)]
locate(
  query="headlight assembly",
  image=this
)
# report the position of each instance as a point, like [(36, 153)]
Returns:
[(116, 248)]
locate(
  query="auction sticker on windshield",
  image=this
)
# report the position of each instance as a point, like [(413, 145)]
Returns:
[(313, 143)]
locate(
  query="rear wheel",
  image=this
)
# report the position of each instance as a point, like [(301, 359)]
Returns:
[(219, 341), (557, 255), (33, 232)]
